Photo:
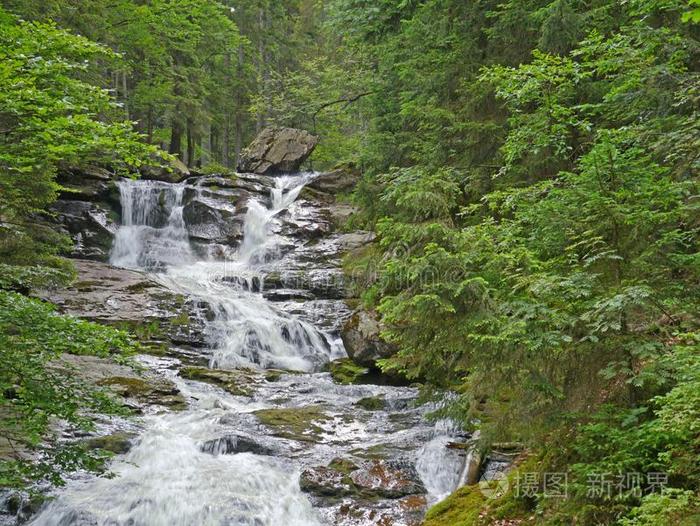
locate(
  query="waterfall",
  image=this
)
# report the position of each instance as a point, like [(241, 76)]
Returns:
[(170, 477), (153, 233), (438, 465), (258, 244), (246, 330)]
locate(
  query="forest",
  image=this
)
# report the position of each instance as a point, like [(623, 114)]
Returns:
[(526, 172)]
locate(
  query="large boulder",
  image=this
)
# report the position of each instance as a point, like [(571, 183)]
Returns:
[(277, 150), (176, 172), (335, 181), (362, 340), (86, 183), (90, 225)]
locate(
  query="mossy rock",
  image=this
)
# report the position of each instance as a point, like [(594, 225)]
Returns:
[(117, 443), (130, 387), (462, 508), (342, 465), (151, 391), (377, 451), (297, 423), (273, 375), (347, 372), (372, 403), (230, 381)]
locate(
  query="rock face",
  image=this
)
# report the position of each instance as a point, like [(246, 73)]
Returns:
[(176, 172), (336, 181), (277, 150), (361, 337), (90, 225)]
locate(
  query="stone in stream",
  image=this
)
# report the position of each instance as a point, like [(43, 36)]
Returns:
[(174, 172), (208, 220), (362, 340), (140, 390), (131, 299), (118, 443), (232, 444), (367, 491), (296, 423), (236, 382), (277, 150)]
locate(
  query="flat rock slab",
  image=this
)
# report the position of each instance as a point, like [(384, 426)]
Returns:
[(109, 294)]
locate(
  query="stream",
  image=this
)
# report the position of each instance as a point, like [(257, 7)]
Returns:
[(219, 462)]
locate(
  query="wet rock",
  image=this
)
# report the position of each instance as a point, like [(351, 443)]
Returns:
[(372, 403), (368, 479), (287, 295), (175, 172), (235, 382), (277, 150), (296, 423), (130, 299), (112, 295), (88, 183), (345, 371), (390, 478), (117, 443), (325, 482), (210, 220), (231, 444), (336, 181), (146, 391), (91, 226), (362, 340)]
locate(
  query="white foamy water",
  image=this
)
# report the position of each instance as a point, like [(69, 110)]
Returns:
[(153, 232), (166, 478)]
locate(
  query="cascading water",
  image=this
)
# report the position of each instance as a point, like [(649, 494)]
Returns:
[(153, 233), (168, 477)]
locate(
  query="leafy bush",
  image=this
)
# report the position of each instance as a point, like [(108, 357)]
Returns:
[(37, 389)]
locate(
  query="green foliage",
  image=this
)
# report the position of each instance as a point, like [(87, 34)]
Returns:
[(25, 279), (38, 388), (50, 115), (531, 172)]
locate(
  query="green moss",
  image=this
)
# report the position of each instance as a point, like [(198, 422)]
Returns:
[(117, 443), (297, 423), (346, 371), (181, 319), (147, 391), (140, 286), (462, 508), (127, 386), (342, 465), (372, 403), (273, 376), (231, 381), (377, 451)]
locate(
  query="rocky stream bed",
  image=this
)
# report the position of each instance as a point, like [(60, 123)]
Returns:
[(249, 411)]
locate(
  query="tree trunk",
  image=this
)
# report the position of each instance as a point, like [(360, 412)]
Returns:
[(263, 71), (125, 95), (205, 144), (176, 139), (190, 144)]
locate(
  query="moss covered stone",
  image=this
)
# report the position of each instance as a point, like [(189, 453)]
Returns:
[(235, 382), (297, 423), (346, 372), (117, 443), (145, 390), (372, 403)]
